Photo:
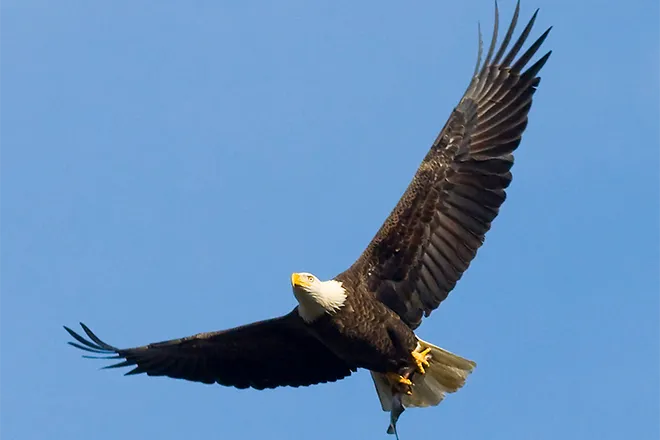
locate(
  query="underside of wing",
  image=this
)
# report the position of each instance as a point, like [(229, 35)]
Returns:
[(265, 354), (434, 232)]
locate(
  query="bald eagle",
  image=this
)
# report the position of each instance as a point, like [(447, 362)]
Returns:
[(366, 316)]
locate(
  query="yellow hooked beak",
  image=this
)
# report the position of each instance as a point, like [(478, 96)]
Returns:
[(298, 280)]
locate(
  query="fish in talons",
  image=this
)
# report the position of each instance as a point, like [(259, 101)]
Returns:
[(405, 388), (395, 413)]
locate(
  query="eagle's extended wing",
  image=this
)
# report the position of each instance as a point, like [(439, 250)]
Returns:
[(435, 230), (264, 354)]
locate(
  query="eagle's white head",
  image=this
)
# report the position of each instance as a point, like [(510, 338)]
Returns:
[(316, 297)]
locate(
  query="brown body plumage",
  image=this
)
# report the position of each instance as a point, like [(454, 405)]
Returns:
[(407, 270), (365, 331)]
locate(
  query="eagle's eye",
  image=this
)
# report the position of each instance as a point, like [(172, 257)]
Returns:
[(310, 278)]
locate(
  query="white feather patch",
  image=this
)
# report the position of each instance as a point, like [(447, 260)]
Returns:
[(319, 298)]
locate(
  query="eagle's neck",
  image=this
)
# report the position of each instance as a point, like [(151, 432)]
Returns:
[(325, 297)]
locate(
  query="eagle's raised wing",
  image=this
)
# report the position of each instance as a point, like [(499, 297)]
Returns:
[(264, 354), (435, 230)]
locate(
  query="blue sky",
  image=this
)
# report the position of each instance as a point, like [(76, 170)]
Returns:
[(152, 154)]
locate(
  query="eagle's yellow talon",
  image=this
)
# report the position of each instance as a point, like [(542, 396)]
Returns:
[(420, 359), (399, 383), (397, 379)]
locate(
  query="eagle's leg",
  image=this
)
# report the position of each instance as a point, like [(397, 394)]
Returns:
[(421, 358), (399, 383)]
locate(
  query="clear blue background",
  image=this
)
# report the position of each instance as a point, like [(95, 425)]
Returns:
[(166, 166)]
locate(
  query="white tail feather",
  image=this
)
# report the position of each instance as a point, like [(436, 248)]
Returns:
[(446, 373)]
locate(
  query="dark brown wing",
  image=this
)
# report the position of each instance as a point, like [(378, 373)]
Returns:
[(265, 354), (434, 232)]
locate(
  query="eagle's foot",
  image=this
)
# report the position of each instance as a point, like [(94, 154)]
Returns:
[(399, 383), (421, 359)]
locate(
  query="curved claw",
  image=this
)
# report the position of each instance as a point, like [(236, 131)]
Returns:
[(421, 359), (399, 383)]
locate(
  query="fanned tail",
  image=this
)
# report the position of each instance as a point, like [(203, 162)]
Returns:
[(446, 373)]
